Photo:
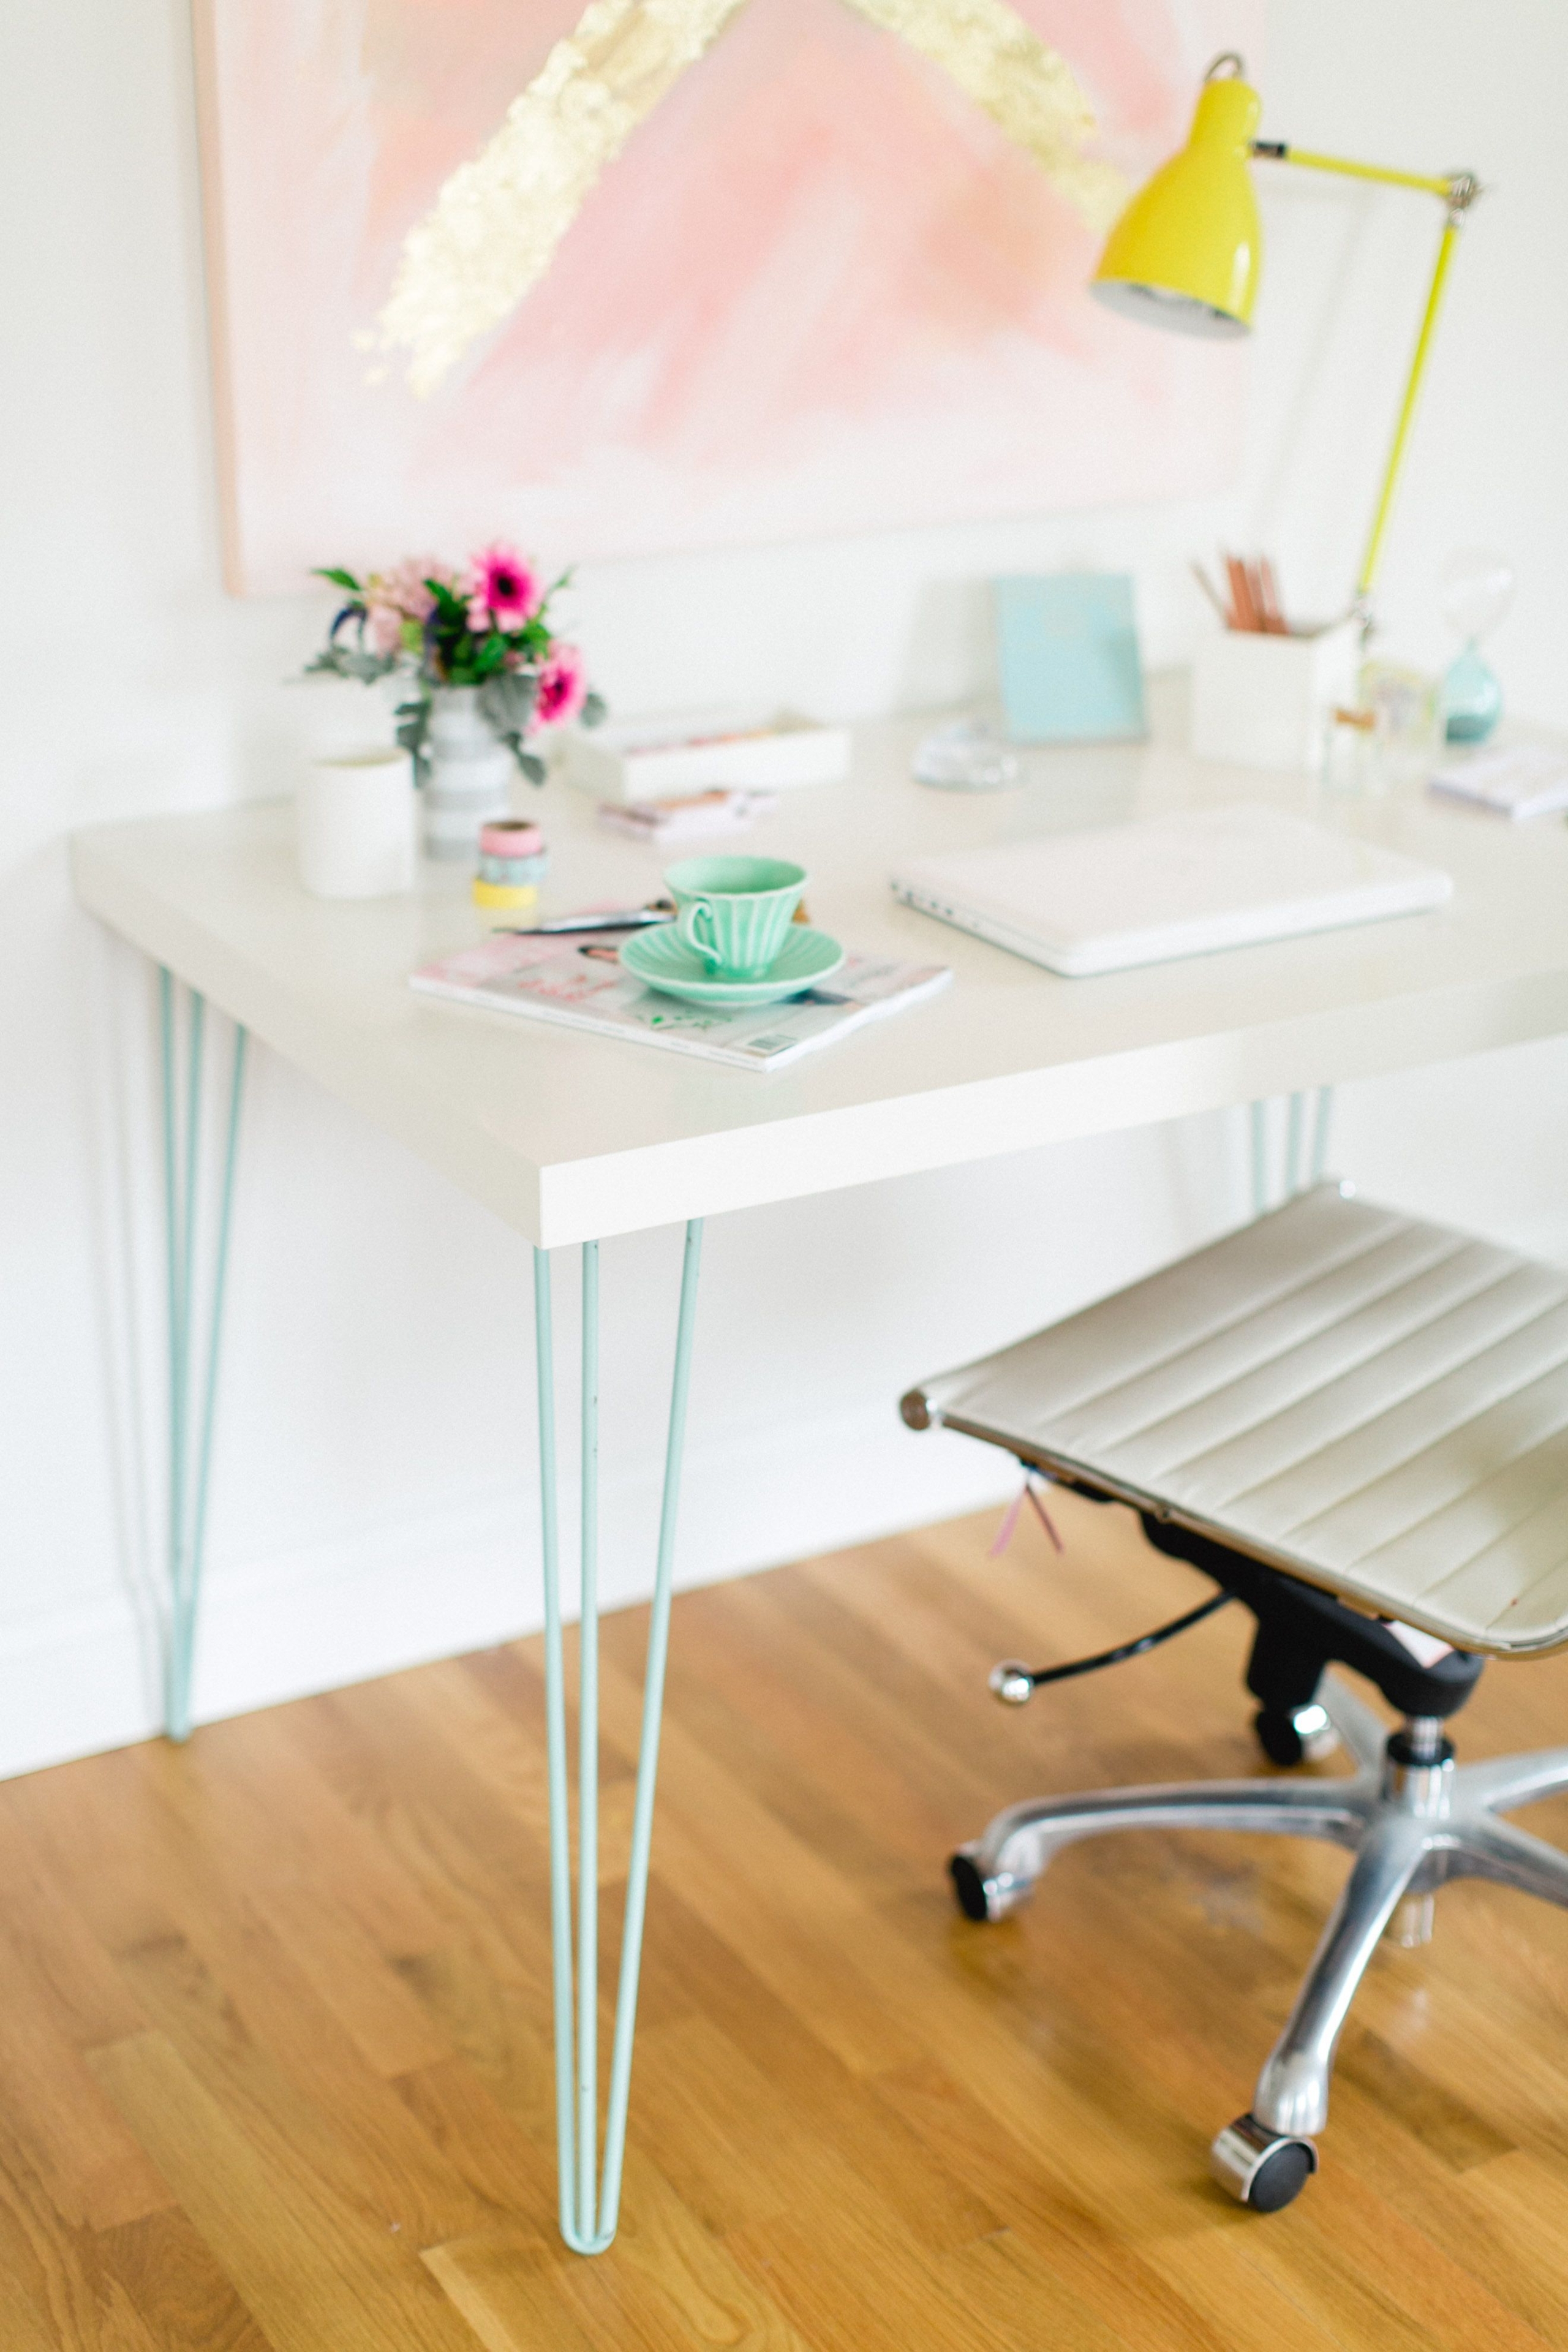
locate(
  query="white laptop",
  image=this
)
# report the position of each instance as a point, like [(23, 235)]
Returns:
[(1167, 887)]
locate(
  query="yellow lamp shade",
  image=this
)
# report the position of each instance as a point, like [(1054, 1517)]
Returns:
[(1185, 253)]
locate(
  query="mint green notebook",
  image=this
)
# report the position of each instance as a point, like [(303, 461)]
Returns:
[(1066, 647)]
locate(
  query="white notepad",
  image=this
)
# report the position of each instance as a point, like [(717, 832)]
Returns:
[(1515, 779), (1081, 903)]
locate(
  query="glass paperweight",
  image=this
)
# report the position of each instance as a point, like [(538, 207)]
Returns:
[(967, 755), (1478, 589), (1472, 698)]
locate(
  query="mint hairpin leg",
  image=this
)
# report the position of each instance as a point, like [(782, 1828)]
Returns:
[(1323, 1118), (1306, 1150), (191, 1408), (1295, 1128), (1258, 1130), (590, 2203)]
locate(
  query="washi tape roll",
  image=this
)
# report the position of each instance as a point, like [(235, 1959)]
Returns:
[(520, 873), (505, 897), (511, 836)]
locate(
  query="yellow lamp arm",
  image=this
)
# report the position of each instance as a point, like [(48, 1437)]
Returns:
[(1458, 191), (1276, 151), (1373, 548)]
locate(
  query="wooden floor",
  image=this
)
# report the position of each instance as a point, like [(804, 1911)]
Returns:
[(274, 2064)]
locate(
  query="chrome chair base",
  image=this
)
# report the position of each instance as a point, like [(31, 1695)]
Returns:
[(1412, 1818)]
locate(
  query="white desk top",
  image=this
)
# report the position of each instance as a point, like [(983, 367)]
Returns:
[(569, 1136)]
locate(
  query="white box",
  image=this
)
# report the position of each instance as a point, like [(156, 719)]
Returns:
[(693, 751), (1265, 701)]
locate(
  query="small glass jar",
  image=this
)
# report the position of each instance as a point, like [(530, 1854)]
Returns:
[(1388, 737), (1349, 761)]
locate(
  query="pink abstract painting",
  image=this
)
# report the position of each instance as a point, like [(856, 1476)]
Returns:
[(818, 291)]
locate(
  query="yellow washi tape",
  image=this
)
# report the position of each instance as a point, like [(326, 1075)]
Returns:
[(505, 897)]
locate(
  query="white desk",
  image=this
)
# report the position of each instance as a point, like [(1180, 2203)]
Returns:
[(571, 1139), (574, 1139)]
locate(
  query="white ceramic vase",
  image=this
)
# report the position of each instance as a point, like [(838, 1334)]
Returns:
[(469, 780)]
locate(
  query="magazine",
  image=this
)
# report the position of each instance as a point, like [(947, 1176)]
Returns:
[(578, 982)]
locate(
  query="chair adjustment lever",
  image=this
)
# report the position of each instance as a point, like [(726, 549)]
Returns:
[(1015, 1684)]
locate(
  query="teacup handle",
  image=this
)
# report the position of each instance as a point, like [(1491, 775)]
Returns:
[(698, 910)]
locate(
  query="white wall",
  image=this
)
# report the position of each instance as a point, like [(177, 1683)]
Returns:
[(371, 1504)]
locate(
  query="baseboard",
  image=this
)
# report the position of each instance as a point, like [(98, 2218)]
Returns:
[(464, 1575)]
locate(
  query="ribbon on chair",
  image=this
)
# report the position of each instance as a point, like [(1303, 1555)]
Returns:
[(1009, 1527)]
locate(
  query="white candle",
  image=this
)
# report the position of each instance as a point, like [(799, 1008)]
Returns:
[(355, 829)]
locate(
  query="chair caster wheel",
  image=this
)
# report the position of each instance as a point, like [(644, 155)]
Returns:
[(984, 1898), (1263, 2169), (1298, 1734)]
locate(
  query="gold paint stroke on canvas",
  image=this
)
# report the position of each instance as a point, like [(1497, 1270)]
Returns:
[(496, 222), (1026, 88)]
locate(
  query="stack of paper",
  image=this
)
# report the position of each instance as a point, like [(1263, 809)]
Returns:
[(1516, 780)]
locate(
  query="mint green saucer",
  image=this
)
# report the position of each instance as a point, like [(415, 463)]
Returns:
[(661, 959)]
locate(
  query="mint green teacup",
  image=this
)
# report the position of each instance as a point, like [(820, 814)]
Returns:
[(735, 912)]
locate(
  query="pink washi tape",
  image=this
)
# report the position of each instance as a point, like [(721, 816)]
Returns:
[(511, 836)]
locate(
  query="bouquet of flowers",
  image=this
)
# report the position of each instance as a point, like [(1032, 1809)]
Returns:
[(487, 627)]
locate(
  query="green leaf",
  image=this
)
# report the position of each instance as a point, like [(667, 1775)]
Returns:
[(352, 661), (594, 711), (371, 666), (413, 727), (451, 607), (506, 704), (533, 767), (339, 578)]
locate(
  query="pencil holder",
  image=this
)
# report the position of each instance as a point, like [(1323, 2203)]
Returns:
[(1267, 702)]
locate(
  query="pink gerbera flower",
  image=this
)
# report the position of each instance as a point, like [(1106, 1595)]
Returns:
[(563, 687), (503, 591)]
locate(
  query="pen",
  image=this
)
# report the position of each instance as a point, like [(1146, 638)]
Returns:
[(625, 918)]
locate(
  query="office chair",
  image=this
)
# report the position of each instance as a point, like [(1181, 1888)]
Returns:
[(1357, 1425)]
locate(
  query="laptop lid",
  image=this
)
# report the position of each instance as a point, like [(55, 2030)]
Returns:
[(1184, 884)]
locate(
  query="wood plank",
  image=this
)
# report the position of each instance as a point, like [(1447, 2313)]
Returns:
[(92, 2167), (509, 2292), (55, 2296), (260, 2044), (509, 2167), (167, 2274), (312, 2267), (673, 2285), (849, 2272), (1057, 2233)]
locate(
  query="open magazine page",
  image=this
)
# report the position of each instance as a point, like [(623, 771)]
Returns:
[(578, 982)]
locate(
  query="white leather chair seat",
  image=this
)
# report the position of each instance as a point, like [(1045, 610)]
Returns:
[(1377, 1405)]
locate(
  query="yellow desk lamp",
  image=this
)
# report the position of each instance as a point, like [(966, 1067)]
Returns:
[(1187, 252)]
